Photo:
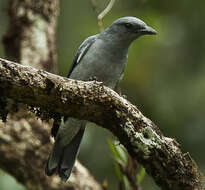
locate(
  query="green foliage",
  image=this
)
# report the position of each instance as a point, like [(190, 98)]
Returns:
[(125, 167), (140, 176), (118, 159)]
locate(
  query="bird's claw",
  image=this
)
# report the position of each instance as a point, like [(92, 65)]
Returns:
[(93, 78), (124, 96)]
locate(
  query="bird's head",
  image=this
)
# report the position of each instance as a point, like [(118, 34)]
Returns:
[(129, 28)]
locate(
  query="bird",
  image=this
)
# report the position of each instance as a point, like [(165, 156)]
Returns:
[(102, 56)]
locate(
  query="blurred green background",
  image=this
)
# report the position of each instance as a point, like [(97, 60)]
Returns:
[(164, 77)]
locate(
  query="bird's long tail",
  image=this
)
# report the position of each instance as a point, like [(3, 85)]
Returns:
[(62, 157)]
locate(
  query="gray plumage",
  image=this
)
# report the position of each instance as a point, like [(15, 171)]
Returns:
[(102, 56)]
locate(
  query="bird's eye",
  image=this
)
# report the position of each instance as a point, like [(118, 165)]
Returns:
[(128, 25)]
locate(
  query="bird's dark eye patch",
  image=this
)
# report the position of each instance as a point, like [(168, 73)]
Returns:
[(128, 25)]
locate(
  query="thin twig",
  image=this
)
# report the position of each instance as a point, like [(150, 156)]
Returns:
[(103, 13)]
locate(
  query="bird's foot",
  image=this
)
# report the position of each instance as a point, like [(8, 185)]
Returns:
[(124, 96), (93, 78)]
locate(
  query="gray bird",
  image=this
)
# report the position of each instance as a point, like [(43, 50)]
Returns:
[(102, 56)]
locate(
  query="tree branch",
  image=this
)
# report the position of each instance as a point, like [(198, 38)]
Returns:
[(101, 15), (55, 95), (24, 148)]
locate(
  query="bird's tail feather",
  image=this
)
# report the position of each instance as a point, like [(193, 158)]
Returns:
[(62, 158)]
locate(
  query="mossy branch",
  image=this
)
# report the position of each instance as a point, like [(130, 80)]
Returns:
[(161, 156)]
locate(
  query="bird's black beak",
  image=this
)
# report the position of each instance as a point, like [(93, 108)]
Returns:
[(148, 30)]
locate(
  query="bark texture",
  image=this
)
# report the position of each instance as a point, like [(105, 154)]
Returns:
[(55, 95), (31, 36), (24, 141), (24, 148)]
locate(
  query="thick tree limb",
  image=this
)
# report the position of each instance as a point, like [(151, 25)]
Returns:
[(161, 156)]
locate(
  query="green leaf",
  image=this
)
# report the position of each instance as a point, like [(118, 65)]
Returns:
[(119, 154), (123, 154), (118, 171), (140, 176), (117, 159), (126, 183), (113, 149)]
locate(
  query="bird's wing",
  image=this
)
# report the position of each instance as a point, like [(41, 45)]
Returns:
[(78, 56), (62, 158), (84, 47)]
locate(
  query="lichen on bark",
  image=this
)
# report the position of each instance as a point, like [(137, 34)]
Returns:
[(160, 155)]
